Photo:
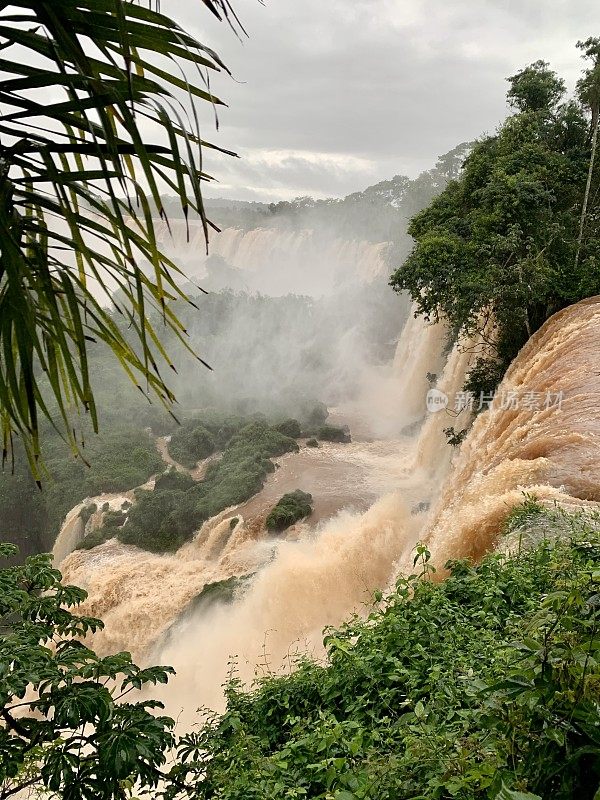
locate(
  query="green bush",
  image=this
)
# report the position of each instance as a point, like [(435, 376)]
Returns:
[(191, 443), (163, 519), (312, 443), (173, 480), (95, 538), (87, 511), (291, 508), (484, 686), (329, 433), (290, 427), (114, 519)]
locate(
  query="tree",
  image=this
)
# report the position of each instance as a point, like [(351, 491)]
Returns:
[(68, 726), (535, 88), (588, 88), (494, 251), (97, 117)]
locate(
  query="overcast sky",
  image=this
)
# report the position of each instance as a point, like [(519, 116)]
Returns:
[(331, 96)]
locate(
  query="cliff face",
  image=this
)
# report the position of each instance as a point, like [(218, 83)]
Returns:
[(541, 435)]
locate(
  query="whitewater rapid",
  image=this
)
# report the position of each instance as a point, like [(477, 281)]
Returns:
[(371, 499), (318, 576)]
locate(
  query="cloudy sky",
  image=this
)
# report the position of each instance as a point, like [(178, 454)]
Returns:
[(331, 96)]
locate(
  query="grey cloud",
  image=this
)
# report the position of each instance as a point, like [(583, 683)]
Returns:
[(393, 83)]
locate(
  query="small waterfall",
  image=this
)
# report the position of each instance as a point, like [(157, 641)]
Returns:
[(71, 534), (74, 529)]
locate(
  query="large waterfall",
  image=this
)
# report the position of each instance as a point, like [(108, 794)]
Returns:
[(313, 579), (274, 260), (318, 577), (541, 435)]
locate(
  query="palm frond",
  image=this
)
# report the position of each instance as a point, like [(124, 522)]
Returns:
[(89, 137)]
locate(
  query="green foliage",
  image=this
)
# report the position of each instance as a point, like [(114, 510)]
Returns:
[(290, 427), (173, 480), (291, 508), (23, 510), (163, 519), (312, 442), (118, 460), (484, 686), (78, 153), (87, 511), (70, 727), (330, 433), (190, 444), (499, 247), (535, 88), (455, 438)]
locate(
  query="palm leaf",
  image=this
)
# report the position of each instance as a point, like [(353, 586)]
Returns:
[(78, 182)]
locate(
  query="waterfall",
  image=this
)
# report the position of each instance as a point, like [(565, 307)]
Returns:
[(318, 577), (276, 260), (541, 435), (71, 534), (312, 579)]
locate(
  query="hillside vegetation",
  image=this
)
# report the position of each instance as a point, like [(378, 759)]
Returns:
[(163, 518), (485, 685)]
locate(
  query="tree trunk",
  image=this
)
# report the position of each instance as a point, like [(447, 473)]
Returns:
[(595, 121)]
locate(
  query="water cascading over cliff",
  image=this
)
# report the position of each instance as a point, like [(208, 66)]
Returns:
[(541, 435), (313, 579), (275, 260), (318, 577)]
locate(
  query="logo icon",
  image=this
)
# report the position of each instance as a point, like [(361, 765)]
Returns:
[(436, 400)]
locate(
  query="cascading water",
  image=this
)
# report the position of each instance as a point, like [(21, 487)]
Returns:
[(318, 577), (541, 435), (313, 579), (315, 262)]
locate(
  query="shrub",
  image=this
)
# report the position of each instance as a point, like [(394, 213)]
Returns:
[(87, 511), (191, 443), (95, 538), (114, 519), (173, 480), (290, 427), (291, 508), (312, 443), (329, 433)]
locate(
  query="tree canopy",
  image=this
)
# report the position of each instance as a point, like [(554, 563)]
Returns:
[(502, 242)]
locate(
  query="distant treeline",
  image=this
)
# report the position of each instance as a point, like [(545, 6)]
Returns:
[(379, 213)]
